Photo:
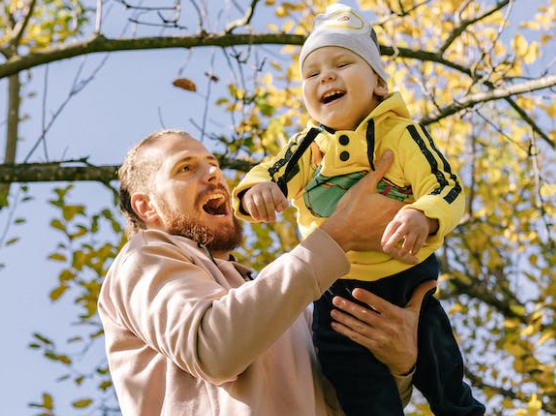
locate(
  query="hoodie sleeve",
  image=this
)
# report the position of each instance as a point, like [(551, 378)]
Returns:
[(271, 170), (179, 308), (437, 188)]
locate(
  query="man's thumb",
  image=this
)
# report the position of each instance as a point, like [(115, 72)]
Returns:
[(381, 167), (419, 294)]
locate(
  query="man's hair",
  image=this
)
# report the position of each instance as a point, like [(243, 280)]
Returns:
[(136, 174)]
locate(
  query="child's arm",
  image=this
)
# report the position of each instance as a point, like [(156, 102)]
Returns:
[(266, 174), (407, 233), (263, 201), (439, 200)]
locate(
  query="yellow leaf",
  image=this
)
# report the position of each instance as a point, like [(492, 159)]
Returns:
[(525, 103), (57, 292), (185, 84), (548, 189), (549, 109), (57, 257), (532, 53), (546, 38), (287, 26), (546, 336), (281, 12), (519, 45), (534, 405), (47, 401), (82, 403)]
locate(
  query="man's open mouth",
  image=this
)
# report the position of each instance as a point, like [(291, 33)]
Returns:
[(331, 96), (216, 205)]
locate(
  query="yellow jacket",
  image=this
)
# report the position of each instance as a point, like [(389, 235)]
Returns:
[(420, 176)]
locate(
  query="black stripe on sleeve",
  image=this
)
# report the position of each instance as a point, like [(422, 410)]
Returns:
[(456, 189)]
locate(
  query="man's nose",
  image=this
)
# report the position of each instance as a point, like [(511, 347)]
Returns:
[(212, 173)]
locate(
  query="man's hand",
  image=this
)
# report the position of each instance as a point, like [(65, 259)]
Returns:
[(390, 333), (362, 214), (263, 201)]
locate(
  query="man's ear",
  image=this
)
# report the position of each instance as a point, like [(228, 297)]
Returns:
[(145, 208)]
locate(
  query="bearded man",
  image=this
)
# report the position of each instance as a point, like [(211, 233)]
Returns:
[(189, 332)]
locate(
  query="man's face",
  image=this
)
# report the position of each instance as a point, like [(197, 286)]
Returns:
[(191, 196), (339, 88)]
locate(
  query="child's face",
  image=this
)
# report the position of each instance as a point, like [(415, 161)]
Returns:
[(339, 88)]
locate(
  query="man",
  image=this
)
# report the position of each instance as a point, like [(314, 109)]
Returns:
[(187, 330)]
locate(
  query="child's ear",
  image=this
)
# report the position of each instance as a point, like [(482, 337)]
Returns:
[(144, 207), (381, 87)]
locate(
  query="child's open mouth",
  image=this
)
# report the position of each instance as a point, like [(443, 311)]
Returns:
[(332, 96)]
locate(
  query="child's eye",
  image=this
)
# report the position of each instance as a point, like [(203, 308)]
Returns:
[(312, 74), (343, 64)]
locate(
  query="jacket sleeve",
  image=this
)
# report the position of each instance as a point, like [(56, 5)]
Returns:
[(437, 188), (215, 333), (271, 170)]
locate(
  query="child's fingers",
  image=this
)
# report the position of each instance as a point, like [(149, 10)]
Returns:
[(393, 235)]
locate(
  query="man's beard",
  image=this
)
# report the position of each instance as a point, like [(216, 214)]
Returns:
[(220, 238), (223, 238)]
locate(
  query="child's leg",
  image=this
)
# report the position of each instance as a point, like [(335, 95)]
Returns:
[(364, 385), (439, 373)]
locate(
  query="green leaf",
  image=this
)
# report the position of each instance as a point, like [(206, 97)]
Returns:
[(12, 241), (43, 339)]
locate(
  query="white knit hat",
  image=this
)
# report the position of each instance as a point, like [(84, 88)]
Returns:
[(341, 26)]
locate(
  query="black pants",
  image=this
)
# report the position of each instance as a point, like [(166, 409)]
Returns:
[(363, 384)]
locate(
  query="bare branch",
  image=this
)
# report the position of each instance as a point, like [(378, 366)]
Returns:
[(100, 43), (98, 20), (466, 23), (54, 172), (245, 20), (127, 5), (82, 171), (495, 94)]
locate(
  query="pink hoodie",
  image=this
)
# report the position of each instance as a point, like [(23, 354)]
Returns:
[(189, 336)]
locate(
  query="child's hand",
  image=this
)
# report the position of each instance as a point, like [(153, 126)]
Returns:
[(406, 234), (263, 201)]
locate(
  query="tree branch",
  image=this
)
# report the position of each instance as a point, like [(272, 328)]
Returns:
[(57, 172), (466, 23), (20, 26), (245, 20), (498, 93), (100, 43)]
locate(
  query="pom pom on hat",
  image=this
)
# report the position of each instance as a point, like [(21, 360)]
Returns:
[(341, 26)]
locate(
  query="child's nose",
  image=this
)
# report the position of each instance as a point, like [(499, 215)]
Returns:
[(327, 76)]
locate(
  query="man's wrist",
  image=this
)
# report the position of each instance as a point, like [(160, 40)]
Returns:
[(336, 234), (403, 374)]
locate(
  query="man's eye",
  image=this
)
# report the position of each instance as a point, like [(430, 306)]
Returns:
[(185, 168)]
